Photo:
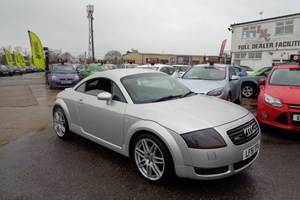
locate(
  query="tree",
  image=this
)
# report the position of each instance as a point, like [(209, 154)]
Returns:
[(66, 57), (113, 57)]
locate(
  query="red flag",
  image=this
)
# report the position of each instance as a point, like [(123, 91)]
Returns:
[(222, 47)]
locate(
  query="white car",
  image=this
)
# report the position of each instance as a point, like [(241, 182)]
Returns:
[(168, 69)]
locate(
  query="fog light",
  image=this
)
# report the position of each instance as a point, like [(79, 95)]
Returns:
[(265, 116)]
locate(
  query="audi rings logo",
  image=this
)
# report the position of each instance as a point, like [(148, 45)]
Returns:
[(249, 131)]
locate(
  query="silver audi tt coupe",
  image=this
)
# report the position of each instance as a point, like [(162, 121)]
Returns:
[(156, 120)]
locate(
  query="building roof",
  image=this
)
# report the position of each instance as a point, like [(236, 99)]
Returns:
[(267, 19)]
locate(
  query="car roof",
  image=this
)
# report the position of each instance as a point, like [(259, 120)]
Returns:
[(155, 65), (120, 73), (215, 65), (287, 65)]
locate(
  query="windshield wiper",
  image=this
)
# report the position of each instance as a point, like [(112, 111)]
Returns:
[(167, 98), (187, 94)]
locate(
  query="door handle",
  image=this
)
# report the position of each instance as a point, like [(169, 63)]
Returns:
[(80, 101)]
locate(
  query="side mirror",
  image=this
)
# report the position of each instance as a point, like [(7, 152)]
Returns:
[(262, 81), (106, 96), (234, 77)]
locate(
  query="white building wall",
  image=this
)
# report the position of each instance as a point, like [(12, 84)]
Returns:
[(273, 48)]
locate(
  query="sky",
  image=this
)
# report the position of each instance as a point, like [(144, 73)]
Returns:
[(186, 27)]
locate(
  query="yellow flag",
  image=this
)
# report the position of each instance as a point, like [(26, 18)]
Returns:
[(9, 58), (37, 50), (22, 59), (17, 59)]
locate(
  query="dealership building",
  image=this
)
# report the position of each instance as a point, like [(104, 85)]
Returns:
[(172, 59), (265, 42)]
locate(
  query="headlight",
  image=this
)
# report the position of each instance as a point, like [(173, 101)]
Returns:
[(204, 139), (215, 92), (54, 78), (76, 77), (272, 100)]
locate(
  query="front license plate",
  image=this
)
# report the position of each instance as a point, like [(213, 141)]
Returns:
[(296, 118), (66, 82), (250, 151)]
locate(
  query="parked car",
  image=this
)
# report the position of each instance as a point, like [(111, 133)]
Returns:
[(23, 69), (240, 71), (279, 98), (168, 69), (17, 70), (216, 80), (181, 69), (132, 112), (62, 76), (127, 65), (3, 70), (29, 69), (11, 70), (248, 69), (250, 84), (92, 68)]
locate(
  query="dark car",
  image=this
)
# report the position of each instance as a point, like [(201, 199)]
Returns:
[(250, 84), (3, 70), (17, 70), (11, 70), (29, 69), (62, 76)]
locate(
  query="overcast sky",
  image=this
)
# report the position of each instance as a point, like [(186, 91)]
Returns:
[(188, 27)]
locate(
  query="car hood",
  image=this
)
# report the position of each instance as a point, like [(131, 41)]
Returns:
[(202, 86), (287, 94), (64, 76), (188, 114)]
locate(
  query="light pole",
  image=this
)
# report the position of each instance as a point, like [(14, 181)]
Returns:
[(90, 11)]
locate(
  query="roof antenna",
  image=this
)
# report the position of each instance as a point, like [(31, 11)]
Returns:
[(261, 14)]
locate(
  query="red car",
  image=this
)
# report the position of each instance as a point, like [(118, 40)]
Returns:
[(278, 103)]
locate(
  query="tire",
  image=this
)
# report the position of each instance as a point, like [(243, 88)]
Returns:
[(152, 158), (60, 124), (249, 90), (239, 99), (229, 97)]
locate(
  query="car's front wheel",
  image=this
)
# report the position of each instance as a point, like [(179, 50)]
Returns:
[(60, 124), (153, 159)]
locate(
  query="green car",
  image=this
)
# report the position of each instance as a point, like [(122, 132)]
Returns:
[(250, 84), (92, 68)]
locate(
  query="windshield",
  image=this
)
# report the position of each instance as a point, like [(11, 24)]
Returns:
[(98, 68), (206, 73), (153, 87), (63, 69), (286, 77)]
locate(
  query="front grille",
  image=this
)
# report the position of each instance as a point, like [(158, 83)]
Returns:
[(243, 163), (282, 119), (294, 106), (244, 133)]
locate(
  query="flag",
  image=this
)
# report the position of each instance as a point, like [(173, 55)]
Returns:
[(222, 47), (9, 58), (17, 59), (22, 59), (37, 50)]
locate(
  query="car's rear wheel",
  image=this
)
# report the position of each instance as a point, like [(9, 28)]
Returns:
[(153, 159), (248, 90), (60, 124)]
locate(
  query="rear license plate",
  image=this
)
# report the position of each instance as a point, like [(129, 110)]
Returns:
[(66, 82), (251, 151), (296, 118)]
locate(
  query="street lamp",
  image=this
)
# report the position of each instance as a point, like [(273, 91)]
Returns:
[(90, 11)]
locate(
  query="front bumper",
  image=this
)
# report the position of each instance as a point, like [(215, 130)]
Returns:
[(63, 84), (210, 164), (283, 117)]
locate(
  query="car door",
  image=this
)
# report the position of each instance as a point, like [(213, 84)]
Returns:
[(100, 118), (235, 85)]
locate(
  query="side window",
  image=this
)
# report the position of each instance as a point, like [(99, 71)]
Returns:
[(116, 93), (164, 69), (81, 88), (170, 70), (232, 72)]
